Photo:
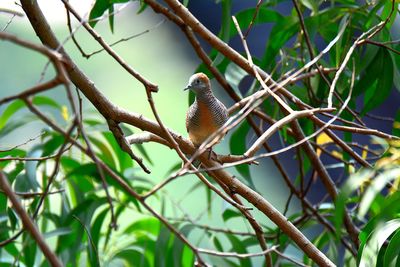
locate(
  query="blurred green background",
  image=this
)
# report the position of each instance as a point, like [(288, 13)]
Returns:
[(164, 57)]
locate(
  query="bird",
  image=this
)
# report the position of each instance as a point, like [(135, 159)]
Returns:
[(207, 114)]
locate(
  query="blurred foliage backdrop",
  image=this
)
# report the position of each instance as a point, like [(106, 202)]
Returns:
[(75, 218)]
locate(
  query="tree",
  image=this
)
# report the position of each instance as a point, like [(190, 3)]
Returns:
[(325, 67)]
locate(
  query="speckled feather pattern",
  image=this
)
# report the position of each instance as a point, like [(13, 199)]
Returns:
[(205, 116)]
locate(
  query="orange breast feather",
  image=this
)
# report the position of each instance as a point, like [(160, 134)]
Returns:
[(206, 126)]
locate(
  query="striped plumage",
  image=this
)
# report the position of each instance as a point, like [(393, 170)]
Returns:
[(207, 114)]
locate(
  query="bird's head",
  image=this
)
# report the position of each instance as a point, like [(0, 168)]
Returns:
[(198, 83)]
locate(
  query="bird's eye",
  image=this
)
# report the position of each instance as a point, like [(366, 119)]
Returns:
[(197, 81)]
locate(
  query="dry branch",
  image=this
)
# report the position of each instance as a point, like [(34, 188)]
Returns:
[(109, 111)]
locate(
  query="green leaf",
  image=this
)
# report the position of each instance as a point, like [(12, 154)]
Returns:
[(12, 153), (387, 211), (375, 188), (3, 206), (396, 62), (105, 152), (12, 174), (237, 145), (92, 250), (379, 90), (97, 11), (12, 125), (96, 227), (50, 146), (29, 250), (174, 168), (10, 110), (209, 200), (217, 243), (57, 232), (162, 247), (132, 255), (111, 18), (13, 251), (220, 261), (13, 218), (224, 32), (281, 33), (69, 164), (311, 5), (325, 241), (71, 245), (238, 247), (187, 257), (229, 214), (191, 97), (178, 247), (100, 8), (353, 183), (143, 6), (234, 75), (144, 153), (370, 251), (148, 225), (392, 250), (22, 184), (244, 18), (124, 160), (373, 15), (45, 101), (78, 176), (19, 104), (386, 12)]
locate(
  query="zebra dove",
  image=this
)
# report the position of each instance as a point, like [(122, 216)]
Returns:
[(207, 114)]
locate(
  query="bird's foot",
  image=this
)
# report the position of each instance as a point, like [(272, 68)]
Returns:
[(213, 156)]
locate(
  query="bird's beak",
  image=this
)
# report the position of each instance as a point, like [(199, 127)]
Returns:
[(187, 88)]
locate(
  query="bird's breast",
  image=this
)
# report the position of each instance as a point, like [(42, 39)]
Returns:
[(202, 122)]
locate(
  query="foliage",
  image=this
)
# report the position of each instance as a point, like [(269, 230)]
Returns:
[(75, 216)]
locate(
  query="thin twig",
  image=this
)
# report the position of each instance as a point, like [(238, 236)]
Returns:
[(147, 84), (26, 195), (8, 23), (128, 38), (8, 158), (45, 192), (236, 255), (382, 45), (11, 11), (79, 119), (28, 222), (289, 258), (55, 58), (22, 144), (253, 19)]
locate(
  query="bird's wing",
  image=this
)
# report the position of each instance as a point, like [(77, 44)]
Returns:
[(189, 116), (224, 110)]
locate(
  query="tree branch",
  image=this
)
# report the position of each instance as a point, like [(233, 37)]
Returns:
[(28, 223)]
